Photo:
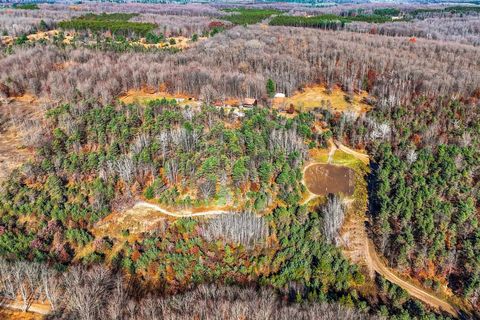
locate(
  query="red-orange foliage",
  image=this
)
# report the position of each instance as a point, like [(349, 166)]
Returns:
[(216, 24), (416, 139)]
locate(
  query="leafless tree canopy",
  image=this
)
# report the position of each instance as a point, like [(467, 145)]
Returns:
[(464, 29), (245, 228), (237, 63), (98, 294), (333, 216)]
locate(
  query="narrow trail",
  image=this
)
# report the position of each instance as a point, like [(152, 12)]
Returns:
[(331, 152)]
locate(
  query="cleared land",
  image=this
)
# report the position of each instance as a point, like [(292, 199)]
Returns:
[(144, 217), (145, 95), (322, 179), (318, 96), (7, 314)]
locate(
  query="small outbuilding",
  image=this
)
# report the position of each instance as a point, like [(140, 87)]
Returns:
[(279, 95), (249, 102)]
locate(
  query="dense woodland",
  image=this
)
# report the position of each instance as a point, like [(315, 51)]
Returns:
[(99, 293), (393, 69), (95, 155)]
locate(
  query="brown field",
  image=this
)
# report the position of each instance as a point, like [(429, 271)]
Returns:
[(180, 43), (144, 95), (318, 96), (322, 179)]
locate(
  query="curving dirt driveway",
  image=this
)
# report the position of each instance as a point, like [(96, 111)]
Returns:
[(374, 262)]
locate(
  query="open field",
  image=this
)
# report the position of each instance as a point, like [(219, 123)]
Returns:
[(318, 96), (145, 95)]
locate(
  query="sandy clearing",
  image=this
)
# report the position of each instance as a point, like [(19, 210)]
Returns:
[(38, 308), (179, 214), (318, 96)]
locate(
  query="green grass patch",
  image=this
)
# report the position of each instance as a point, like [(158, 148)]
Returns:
[(344, 159), (248, 16), (117, 23)]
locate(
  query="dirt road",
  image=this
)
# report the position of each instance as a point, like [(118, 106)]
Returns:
[(360, 156), (371, 258), (376, 264), (178, 214), (38, 308)]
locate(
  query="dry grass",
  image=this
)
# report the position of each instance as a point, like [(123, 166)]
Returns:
[(41, 35), (7, 314), (135, 220), (353, 232), (319, 155), (180, 43), (145, 95), (312, 96)]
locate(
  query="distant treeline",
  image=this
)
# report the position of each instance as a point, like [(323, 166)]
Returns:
[(248, 16), (117, 23), (26, 6), (452, 9), (326, 21)]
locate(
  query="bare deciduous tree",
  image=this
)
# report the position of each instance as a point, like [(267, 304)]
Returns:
[(333, 216)]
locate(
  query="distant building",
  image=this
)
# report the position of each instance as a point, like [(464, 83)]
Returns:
[(249, 102), (279, 95), (238, 114)]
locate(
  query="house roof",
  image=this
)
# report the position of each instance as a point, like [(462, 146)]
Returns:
[(249, 101)]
